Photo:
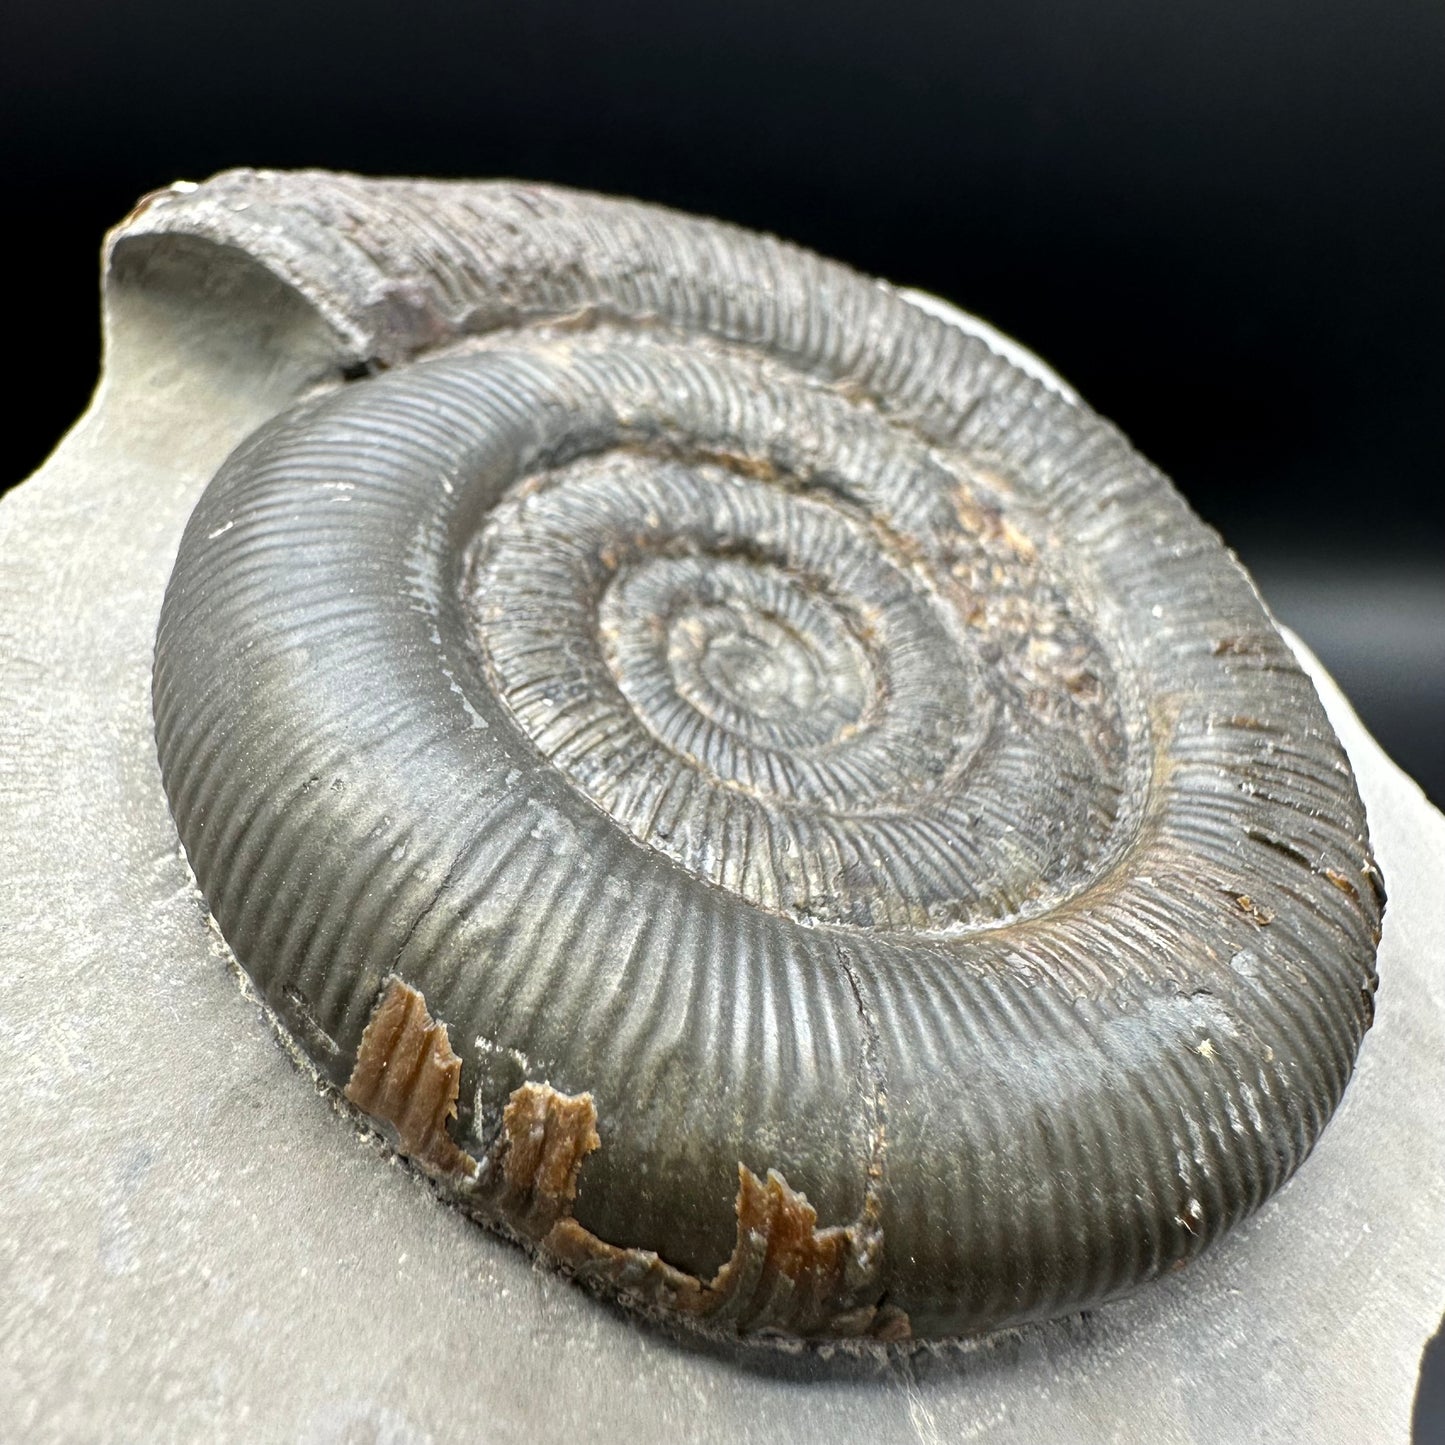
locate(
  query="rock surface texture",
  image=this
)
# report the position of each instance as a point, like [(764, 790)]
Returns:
[(194, 1244)]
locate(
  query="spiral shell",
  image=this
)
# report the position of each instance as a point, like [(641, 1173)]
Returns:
[(765, 800)]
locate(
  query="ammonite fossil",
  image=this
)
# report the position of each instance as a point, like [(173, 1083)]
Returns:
[(763, 799)]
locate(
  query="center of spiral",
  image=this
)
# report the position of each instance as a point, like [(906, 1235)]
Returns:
[(754, 664), (747, 647)]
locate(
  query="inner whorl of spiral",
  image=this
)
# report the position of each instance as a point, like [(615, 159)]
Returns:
[(746, 707), (825, 676)]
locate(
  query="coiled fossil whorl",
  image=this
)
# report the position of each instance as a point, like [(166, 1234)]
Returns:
[(762, 798)]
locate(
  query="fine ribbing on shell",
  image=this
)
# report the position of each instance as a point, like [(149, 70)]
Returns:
[(706, 615)]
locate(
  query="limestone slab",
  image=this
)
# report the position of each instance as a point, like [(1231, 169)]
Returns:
[(195, 1244)]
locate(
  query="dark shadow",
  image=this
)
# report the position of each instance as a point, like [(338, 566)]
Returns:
[(1430, 1399), (865, 1363)]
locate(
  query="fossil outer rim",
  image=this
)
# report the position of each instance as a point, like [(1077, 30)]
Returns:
[(998, 1115)]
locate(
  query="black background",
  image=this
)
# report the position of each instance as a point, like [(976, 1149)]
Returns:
[(1221, 220)]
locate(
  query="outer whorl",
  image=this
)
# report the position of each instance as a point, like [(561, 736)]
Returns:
[(763, 799)]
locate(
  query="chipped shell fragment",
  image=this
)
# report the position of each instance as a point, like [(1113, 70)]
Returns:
[(785, 1275)]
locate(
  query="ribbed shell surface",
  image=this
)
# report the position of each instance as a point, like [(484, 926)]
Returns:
[(724, 690)]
